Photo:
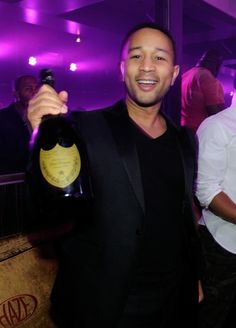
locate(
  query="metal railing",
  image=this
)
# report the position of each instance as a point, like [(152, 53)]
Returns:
[(15, 207)]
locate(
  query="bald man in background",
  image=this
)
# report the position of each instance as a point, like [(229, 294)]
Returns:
[(202, 94), (14, 132)]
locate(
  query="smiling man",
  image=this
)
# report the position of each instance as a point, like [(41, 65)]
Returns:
[(136, 261), (148, 70)]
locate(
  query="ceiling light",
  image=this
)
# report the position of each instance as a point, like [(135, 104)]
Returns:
[(32, 61), (73, 67)]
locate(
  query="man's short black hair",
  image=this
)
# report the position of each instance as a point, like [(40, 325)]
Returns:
[(211, 55), (153, 26)]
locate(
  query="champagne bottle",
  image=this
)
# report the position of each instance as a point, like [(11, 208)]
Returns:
[(59, 169)]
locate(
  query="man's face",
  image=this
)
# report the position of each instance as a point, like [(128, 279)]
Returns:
[(27, 90), (147, 66)]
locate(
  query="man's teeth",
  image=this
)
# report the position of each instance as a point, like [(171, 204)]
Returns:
[(147, 81)]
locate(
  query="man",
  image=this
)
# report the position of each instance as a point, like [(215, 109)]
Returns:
[(216, 191), (202, 92), (135, 264), (14, 133)]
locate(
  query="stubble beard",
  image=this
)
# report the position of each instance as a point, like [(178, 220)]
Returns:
[(145, 103)]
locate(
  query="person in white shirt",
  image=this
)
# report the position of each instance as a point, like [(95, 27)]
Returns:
[(216, 192)]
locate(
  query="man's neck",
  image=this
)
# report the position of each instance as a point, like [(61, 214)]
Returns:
[(149, 119), (21, 109)]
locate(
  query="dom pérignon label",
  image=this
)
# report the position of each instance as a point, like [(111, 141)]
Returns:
[(59, 169)]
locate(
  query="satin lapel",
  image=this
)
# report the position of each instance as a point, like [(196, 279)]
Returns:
[(118, 121)]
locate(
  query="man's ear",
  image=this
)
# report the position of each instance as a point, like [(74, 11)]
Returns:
[(175, 74), (122, 69)]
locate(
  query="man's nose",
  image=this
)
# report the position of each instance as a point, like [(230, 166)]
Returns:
[(147, 64)]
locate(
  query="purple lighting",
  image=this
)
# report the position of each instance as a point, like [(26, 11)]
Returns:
[(6, 49), (31, 16), (72, 27), (50, 58)]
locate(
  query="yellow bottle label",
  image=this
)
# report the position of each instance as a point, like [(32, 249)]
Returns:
[(60, 166)]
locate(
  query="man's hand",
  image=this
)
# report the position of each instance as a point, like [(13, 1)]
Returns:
[(46, 101)]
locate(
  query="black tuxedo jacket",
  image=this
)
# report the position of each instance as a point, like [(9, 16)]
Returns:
[(98, 261)]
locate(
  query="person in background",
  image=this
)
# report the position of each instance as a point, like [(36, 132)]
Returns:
[(137, 261), (202, 93), (14, 132), (216, 191)]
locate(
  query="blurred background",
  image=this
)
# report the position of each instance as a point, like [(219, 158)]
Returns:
[(80, 40)]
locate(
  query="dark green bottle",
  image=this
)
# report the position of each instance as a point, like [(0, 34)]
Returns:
[(59, 169)]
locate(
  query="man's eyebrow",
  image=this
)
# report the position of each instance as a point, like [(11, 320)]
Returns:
[(158, 49), (134, 48)]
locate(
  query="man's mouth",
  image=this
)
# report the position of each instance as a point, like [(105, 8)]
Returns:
[(146, 82)]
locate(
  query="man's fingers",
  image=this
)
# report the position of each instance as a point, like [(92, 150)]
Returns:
[(63, 95), (46, 101)]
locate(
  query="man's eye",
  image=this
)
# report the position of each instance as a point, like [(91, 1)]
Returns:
[(135, 56)]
